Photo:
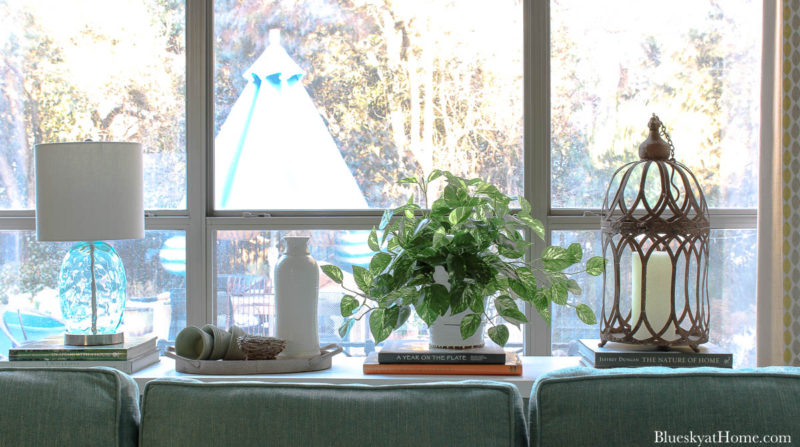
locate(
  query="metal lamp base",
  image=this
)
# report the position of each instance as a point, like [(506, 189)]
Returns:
[(94, 339)]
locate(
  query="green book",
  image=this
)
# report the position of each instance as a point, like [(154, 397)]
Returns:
[(129, 366), (54, 349), (621, 355)]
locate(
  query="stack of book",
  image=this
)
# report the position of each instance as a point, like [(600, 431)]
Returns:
[(416, 357), (620, 355), (129, 357)]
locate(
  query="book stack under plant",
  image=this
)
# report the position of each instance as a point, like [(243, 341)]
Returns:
[(417, 357), (619, 355), (131, 356)]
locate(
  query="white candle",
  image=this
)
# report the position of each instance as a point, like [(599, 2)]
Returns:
[(659, 292)]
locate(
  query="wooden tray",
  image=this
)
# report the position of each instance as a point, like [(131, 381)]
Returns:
[(277, 366)]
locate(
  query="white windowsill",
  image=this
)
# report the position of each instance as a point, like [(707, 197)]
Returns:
[(349, 370)]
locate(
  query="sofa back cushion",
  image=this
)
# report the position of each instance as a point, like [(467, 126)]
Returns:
[(241, 414), (652, 406), (68, 407)]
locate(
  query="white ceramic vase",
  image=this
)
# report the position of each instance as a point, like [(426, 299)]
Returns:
[(296, 296), (446, 330)]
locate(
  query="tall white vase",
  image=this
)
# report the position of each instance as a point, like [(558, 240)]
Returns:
[(296, 296), (446, 330)]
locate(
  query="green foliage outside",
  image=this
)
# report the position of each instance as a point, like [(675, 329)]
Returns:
[(402, 88)]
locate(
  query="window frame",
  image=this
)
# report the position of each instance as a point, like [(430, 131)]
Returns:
[(200, 221)]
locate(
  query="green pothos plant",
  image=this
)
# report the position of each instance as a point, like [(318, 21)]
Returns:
[(471, 231)]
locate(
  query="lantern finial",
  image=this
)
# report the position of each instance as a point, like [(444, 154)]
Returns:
[(654, 147)]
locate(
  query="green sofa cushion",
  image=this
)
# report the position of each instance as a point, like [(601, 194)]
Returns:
[(68, 407), (188, 412), (642, 406)]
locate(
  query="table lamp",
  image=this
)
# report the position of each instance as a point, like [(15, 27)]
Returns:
[(88, 192)]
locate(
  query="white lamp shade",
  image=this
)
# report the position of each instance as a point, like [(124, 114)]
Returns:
[(89, 191)]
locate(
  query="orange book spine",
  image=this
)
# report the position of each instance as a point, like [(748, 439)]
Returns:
[(508, 369)]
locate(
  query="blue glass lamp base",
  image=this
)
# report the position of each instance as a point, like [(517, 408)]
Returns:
[(92, 291)]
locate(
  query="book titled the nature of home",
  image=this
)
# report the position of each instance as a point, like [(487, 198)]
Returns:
[(54, 349), (511, 367), (410, 351), (130, 366), (620, 355)]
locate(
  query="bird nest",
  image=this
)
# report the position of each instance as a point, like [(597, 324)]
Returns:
[(260, 348)]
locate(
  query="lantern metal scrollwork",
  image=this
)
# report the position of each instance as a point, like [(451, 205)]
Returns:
[(655, 231)]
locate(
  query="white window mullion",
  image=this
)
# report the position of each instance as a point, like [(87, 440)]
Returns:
[(199, 301), (537, 145)]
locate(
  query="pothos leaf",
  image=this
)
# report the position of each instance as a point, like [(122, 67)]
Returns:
[(436, 173), (595, 266), (545, 314), (459, 214), (519, 289), (527, 278), (344, 329), (556, 258), (558, 293), (426, 311), (573, 287), (507, 308), (524, 205), (439, 237), (381, 323), (379, 262), (470, 324), (575, 251), (372, 240), (348, 305), (499, 334), (333, 272), (438, 298), (586, 314), (362, 277)]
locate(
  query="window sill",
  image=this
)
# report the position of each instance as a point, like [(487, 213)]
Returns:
[(349, 370)]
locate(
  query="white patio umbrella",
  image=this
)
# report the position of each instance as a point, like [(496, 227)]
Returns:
[(274, 150)]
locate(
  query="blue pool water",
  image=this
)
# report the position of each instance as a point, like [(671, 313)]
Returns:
[(37, 326)]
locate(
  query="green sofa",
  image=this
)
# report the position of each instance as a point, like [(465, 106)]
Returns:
[(571, 407), (68, 407), (98, 407), (663, 406)]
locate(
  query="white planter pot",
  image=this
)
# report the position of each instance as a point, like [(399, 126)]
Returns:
[(446, 333), (446, 330)]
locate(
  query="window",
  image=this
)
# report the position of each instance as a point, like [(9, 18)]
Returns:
[(326, 107), (79, 70), (320, 110), (262, 119), (697, 65)]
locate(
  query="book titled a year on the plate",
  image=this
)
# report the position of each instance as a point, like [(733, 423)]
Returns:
[(512, 367), (411, 351)]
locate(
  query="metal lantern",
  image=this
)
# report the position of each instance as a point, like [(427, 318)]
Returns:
[(655, 229)]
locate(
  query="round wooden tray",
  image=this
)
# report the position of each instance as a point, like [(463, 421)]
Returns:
[(277, 366)]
